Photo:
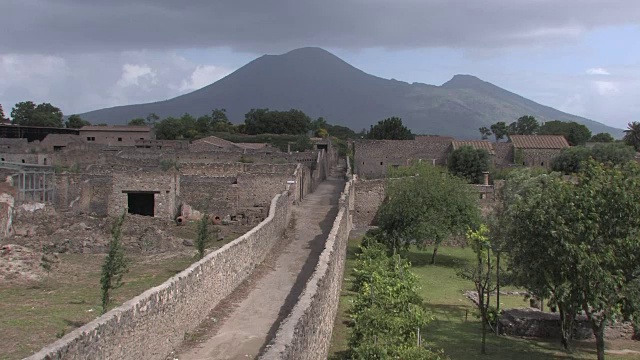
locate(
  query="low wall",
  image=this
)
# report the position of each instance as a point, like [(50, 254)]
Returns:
[(306, 333), (150, 325)]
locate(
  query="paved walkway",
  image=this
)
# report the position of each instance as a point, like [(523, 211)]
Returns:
[(254, 321)]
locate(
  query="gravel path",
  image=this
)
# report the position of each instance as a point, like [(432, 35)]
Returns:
[(254, 315)]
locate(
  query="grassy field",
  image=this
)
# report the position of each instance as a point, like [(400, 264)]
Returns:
[(35, 314), (456, 329)]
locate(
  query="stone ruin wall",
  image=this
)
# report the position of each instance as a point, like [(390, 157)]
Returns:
[(150, 325), (306, 332)]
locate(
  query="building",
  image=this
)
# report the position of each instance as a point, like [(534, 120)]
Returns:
[(115, 135), (59, 142), (214, 143), (537, 150)]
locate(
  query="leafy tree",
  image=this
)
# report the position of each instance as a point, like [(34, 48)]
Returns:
[(137, 122), (390, 129), (341, 132), (632, 135), (480, 274), (319, 123), (29, 114), (468, 163), (171, 128), (322, 133), (432, 205), (265, 121), (590, 226), (500, 130), (203, 235), (525, 125), (485, 132), (2, 117), (76, 122), (220, 122), (115, 264), (570, 160), (152, 118), (576, 134), (602, 138)]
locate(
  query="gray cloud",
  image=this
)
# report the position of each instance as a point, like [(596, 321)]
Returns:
[(62, 26)]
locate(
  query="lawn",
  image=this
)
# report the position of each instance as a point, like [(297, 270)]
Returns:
[(456, 329)]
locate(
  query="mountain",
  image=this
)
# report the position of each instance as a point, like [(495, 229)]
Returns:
[(321, 84)]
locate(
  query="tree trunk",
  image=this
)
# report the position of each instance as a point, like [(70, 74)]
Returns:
[(563, 327), (598, 331), (435, 252), (483, 349), (498, 292)]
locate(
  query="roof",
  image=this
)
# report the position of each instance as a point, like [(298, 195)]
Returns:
[(255, 146), (539, 141), (433, 138), (476, 144), (61, 140), (116, 128), (215, 141)]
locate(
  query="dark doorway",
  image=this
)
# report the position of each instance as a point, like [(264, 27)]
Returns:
[(322, 147), (141, 203)]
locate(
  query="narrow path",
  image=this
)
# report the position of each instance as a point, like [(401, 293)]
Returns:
[(254, 321)]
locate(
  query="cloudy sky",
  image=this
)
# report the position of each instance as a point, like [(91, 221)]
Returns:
[(580, 56)]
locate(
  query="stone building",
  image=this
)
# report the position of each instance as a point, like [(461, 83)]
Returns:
[(214, 143), (537, 150), (115, 135)]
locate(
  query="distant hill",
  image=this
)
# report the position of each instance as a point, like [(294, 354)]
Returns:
[(321, 84)]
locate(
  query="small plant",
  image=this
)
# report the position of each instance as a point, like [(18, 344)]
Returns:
[(203, 234), (115, 264), (45, 261), (60, 333), (245, 159)]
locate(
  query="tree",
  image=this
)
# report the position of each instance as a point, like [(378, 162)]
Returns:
[(390, 129), (137, 122), (590, 227), (569, 161), (152, 118), (29, 114), (576, 134), (632, 135), (115, 264), (264, 121), (499, 130), (484, 132), (525, 125), (602, 138), (203, 235), (2, 117), (220, 122), (76, 122), (432, 205), (322, 133), (468, 163), (480, 274)]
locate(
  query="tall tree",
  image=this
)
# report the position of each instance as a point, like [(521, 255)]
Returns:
[(390, 129), (632, 135), (499, 130), (2, 117), (602, 138), (137, 122), (265, 121), (75, 122), (484, 132), (152, 118), (430, 206), (576, 134), (525, 125), (220, 122), (468, 163), (115, 264), (570, 160), (29, 114)]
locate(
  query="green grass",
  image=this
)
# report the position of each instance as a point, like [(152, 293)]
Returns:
[(456, 329)]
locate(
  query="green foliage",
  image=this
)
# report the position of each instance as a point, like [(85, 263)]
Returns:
[(569, 161), (518, 157), (432, 205), (45, 260), (499, 130), (576, 134), (632, 135), (2, 116), (137, 122), (468, 163), (390, 129), (115, 264), (203, 235), (76, 122), (485, 132), (525, 125), (245, 159), (590, 226), (261, 121), (387, 311), (602, 138), (29, 114)]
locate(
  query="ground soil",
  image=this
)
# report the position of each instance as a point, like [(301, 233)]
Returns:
[(243, 325)]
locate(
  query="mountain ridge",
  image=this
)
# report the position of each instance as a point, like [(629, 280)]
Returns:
[(321, 84)]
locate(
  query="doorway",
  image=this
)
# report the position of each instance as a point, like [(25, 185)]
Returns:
[(141, 203)]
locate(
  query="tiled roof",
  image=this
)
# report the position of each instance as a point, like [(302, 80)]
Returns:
[(476, 144), (539, 141), (116, 128), (215, 141), (61, 140)]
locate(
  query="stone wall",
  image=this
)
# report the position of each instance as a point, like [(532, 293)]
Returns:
[(163, 184), (539, 157), (149, 326), (218, 196), (369, 194), (306, 332)]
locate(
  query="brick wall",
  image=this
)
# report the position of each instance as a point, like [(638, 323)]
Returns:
[(149, 326)]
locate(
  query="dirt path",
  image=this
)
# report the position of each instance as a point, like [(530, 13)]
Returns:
[(253, 322)]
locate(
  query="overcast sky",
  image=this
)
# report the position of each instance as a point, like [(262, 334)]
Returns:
[(580, 56)]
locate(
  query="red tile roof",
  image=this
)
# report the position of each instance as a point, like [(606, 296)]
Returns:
[(476, 144), (539, 141)]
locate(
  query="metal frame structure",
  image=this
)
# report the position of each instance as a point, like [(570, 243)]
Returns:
[(34, 182)]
